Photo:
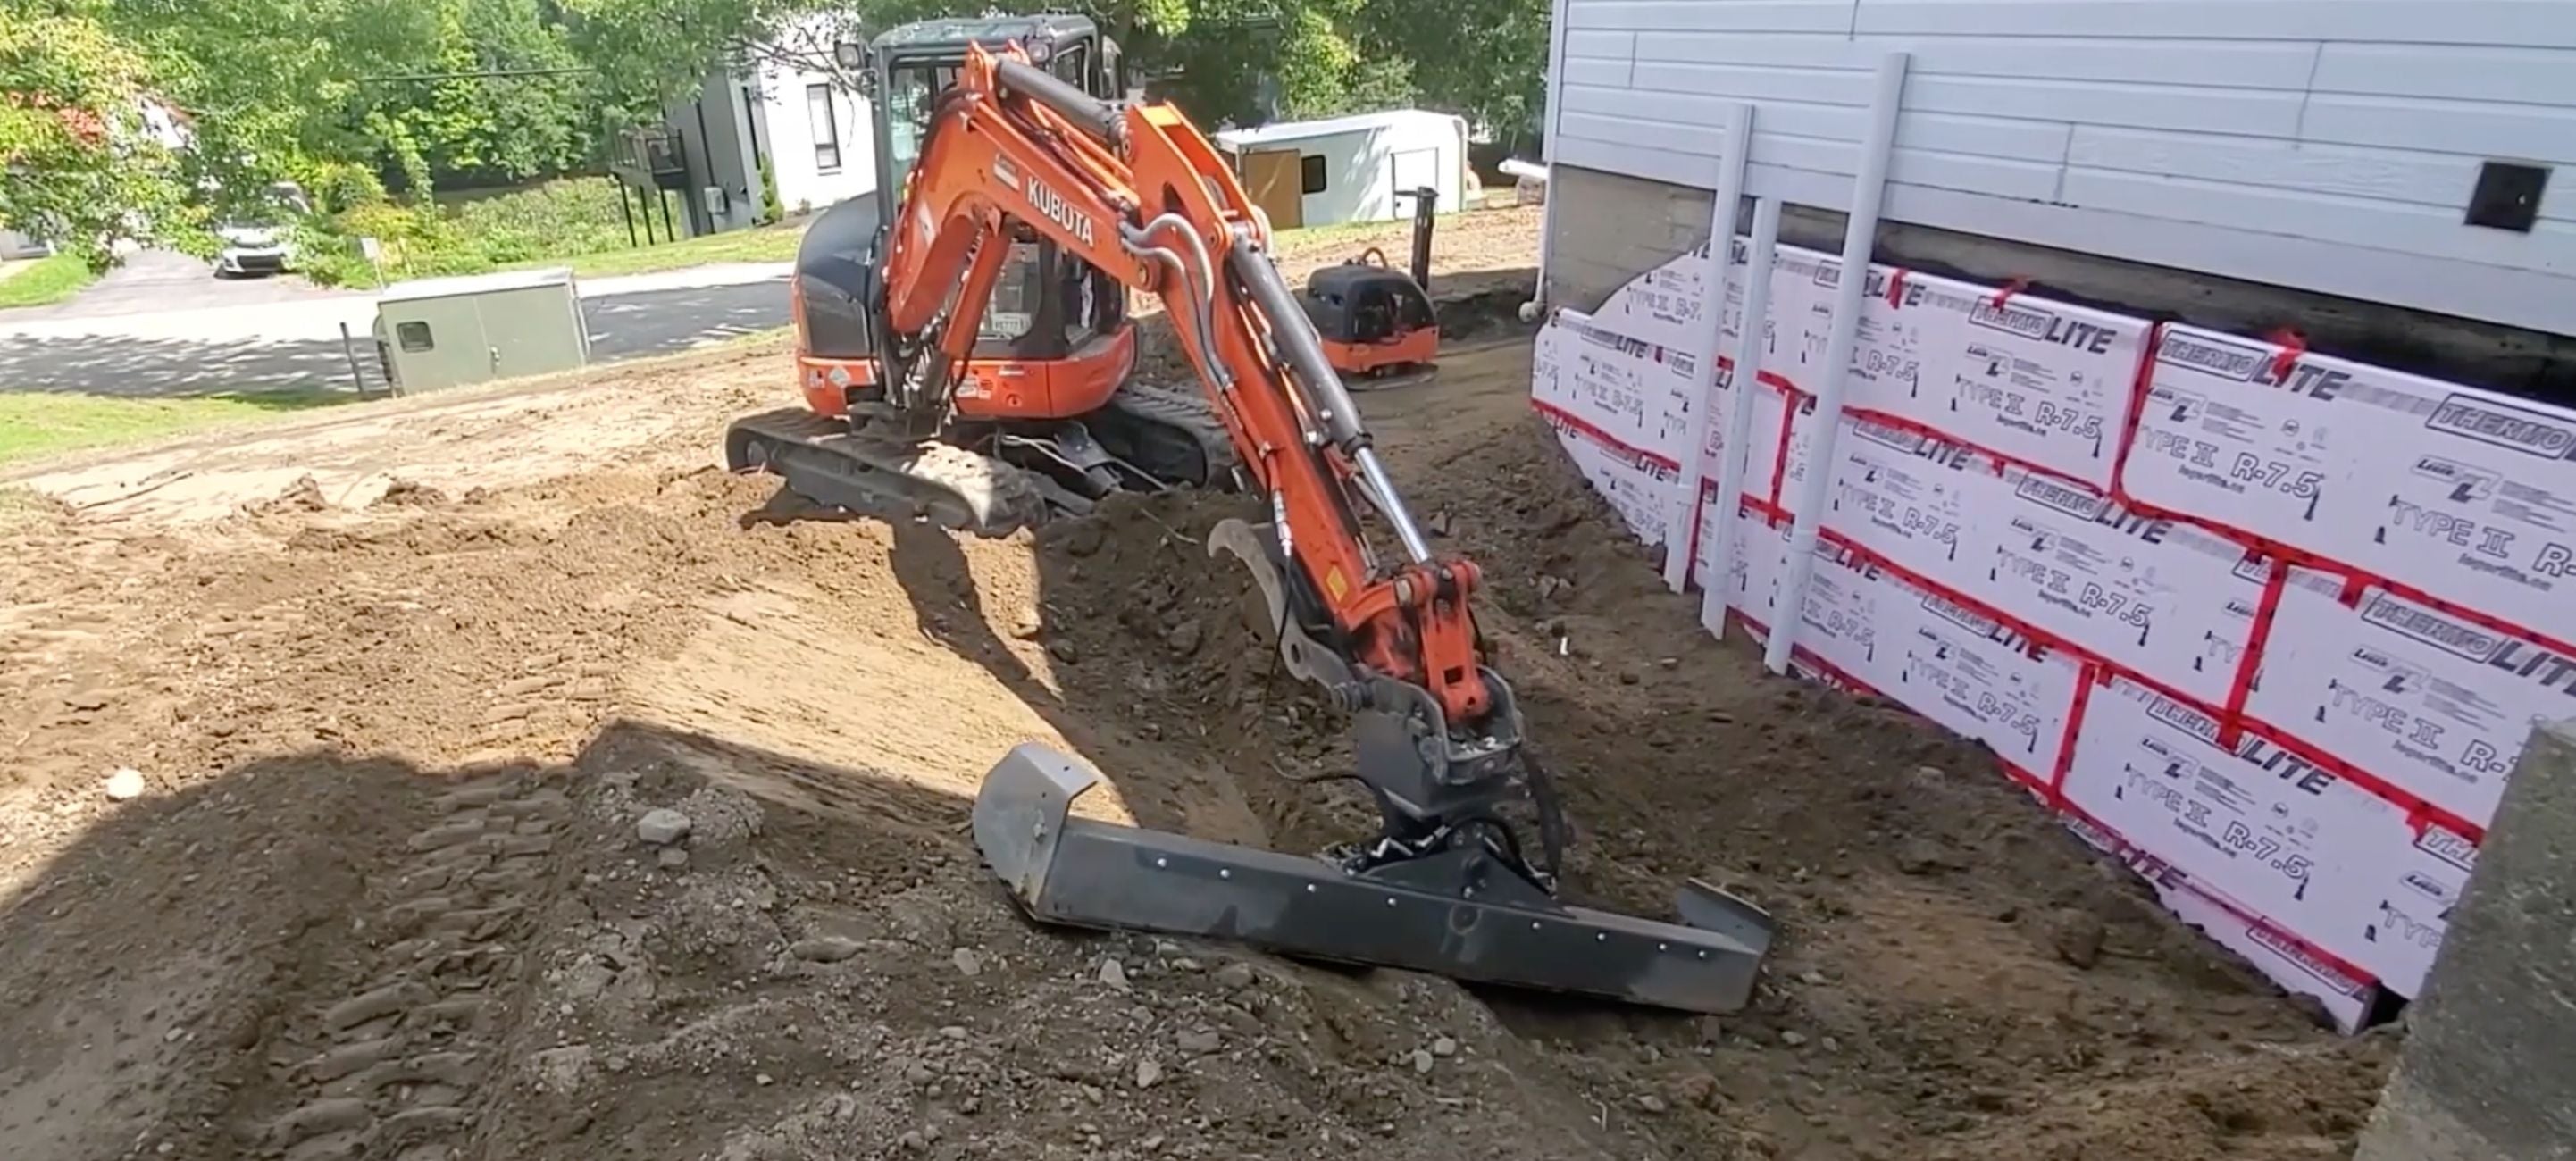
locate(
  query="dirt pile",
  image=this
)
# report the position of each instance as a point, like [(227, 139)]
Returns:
[(1958, 977), (397, 889)]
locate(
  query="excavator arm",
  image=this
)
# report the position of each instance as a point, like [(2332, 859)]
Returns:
[(1139, 193), (1447, 886)]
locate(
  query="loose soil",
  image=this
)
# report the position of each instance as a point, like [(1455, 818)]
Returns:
[(402, 681)]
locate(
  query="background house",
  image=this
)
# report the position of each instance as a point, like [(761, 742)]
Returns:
[(813, 133)]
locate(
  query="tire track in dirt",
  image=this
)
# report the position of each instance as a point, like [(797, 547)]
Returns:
[(396, 1070)]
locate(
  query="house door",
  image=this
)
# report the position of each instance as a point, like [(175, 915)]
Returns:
[(1276, 180), (1414, 169)]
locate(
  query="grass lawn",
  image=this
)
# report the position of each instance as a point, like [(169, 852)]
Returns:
[(45, 281), (36, 423), (764, 244)]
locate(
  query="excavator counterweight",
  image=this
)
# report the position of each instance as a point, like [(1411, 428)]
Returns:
[(1450, 884)]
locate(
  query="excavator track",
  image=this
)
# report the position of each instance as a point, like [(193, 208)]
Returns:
[(824, 461), (1170, 432)]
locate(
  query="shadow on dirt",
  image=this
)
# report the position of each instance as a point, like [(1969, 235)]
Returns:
[(365, 953)]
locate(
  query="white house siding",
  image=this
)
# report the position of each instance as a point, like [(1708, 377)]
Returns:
[(787, 139), (2323, 145)]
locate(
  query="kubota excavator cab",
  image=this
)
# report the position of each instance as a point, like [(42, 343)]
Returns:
[(1056, 332), (1046, 386)]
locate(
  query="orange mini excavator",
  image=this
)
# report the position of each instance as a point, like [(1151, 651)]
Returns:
[(1014, 151)]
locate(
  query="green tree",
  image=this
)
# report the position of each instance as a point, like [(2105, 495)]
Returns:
[(494, 102), (1220, 60), (1482, 59), (275, 85), (82, 168)]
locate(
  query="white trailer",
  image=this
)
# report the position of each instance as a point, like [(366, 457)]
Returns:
[(1360, 168)]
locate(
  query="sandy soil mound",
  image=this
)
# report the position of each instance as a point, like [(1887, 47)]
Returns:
[(492, 812)]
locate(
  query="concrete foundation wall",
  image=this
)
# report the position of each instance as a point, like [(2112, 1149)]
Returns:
[(2489, 1071), (1609, 228)]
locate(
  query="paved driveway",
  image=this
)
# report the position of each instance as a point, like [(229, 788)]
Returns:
[(295, 344), (160, 280)]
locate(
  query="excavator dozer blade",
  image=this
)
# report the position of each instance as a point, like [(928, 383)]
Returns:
[(1456, 916), (822, 460)]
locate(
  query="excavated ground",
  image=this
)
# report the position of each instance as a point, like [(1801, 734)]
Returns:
[(382, 894)]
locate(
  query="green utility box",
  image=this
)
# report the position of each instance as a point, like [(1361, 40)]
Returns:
[(451, 332)]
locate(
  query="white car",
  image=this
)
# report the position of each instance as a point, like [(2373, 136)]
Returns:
[(252, 249)]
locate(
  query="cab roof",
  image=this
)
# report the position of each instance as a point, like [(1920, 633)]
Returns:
[(991, 32)]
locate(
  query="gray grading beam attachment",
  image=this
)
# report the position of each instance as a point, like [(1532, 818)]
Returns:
[(1458, 913)]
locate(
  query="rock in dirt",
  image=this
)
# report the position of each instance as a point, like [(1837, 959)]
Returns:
[(672, 858), (662, 826), (1421, 1060), (1148, 1073), (1234, 976), (1920, 855), (1063, 650), (1794, 1038), (1184, 637), (2077, 935), (1114, 974), (1651, 1103), (1198, 1041), (125, 784), (1084, 537), (304, 495), (824, 948), (404, 493), (968, 963), (1444, 1046)]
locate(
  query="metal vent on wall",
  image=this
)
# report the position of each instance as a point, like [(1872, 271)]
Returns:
[(2508, 196)]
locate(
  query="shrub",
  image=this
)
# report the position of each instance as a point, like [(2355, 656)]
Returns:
[(340, 186), (557, 219), (573, 216)]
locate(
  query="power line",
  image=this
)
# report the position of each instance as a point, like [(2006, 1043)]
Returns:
[(482, 73)]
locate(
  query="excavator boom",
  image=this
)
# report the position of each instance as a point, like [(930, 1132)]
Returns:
[(1137, 192), (1164, 214)]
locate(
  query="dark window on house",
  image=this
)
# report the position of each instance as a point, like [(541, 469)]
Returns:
[(1311, 172), (827, 128), (414, 336)]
